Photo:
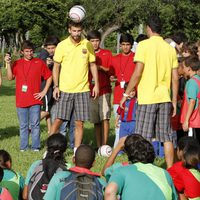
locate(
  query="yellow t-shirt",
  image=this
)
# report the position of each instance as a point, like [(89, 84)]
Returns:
[(74, 61), (159, 58)]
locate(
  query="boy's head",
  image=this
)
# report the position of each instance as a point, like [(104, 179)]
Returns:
[(84, 156), (182, 143), (75, 30), (1, 174), (179, 38), (95, 38), (189, 49), (5, 159), (126, 42), (27, 49), (191, 156), (154, 25), (191, 64), (50, 44), (141, 37), (138, 149)]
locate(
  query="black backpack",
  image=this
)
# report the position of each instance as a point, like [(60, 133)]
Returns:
[(38, 183), (81, 186)]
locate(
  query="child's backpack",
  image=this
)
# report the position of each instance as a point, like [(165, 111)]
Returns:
[(81, 186), (38, 183)]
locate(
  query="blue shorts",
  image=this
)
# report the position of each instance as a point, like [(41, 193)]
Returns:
[(126, 128)]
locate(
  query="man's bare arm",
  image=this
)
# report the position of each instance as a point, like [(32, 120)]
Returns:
[(175, 84), (94, 72)]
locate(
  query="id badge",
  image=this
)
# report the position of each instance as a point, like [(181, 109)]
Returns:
[(24, 88), (122, 83)]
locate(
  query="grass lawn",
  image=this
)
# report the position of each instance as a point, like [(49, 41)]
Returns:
[(9, 134)]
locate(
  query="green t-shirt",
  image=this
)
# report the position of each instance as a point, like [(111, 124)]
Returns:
[(14, 182), (192, 89), (56, 184), (143, 182)]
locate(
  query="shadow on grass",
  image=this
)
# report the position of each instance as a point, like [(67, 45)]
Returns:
[(89, 137), (7, 90), (13, 131)]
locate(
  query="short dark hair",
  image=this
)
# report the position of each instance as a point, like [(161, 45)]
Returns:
[(84, 156), (154, 23), (27, 44), (193, 62), (51, 40), (190, 47), (179, 37), (141, 37), (186, 140), (4, 158), (126, 38), (1, 174), (75, 24), (94, 35), (191, 155), (139, 149)]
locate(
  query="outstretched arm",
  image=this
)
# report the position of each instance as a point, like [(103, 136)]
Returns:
[(116, 150), (135, 79)]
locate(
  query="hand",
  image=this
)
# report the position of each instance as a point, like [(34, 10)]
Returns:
[(174, 105), (117, 123), (56, 93), (49, 61), (39, 95), (122, 102), (185, 126), (95, 91), (113, 79), (7, 58)]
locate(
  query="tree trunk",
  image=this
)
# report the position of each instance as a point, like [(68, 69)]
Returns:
[(107, 32)]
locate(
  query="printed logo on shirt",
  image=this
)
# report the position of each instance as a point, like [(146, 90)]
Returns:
[(84, 51)]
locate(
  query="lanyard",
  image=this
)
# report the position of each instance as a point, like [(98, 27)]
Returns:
[(122, 70), (27, 73)]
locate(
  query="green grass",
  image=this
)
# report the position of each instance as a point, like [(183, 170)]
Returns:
[(9, 134)]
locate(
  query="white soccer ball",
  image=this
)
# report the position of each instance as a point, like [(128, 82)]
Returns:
[(105, 151), (77, 13)]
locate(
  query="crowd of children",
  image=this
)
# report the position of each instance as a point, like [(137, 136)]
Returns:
[(53, 178)]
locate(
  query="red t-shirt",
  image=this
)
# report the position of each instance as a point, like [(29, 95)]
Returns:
[(28, 75), (103, 58), (122, 67), (184, 181)]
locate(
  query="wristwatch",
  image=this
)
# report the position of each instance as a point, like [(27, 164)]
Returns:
[(55, 86)]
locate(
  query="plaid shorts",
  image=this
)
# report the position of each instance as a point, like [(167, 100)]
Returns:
[(153, 121), (77, 102)]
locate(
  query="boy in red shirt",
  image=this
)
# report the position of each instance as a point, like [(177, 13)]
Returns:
[(28, 72), (122, 68), (100, 108), (185, 173)]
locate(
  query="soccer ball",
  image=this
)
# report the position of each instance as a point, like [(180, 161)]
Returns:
[(77, 13), (105, 150)]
